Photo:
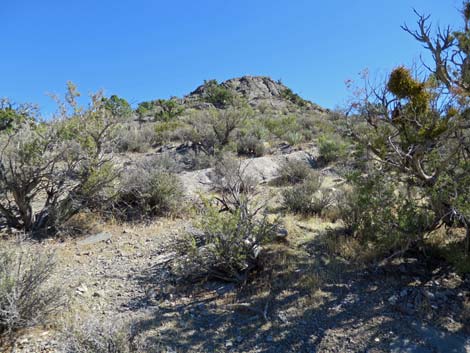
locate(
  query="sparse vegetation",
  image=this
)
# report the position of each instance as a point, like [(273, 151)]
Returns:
[(307, 197), (148, 190), (293, 171), (26, 296), (217, 95), (64, 160), (331, 148), (172, 235), (92, 335), (231, 243), (420, 143)]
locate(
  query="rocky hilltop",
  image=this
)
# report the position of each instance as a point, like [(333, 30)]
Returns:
[(259, 91)]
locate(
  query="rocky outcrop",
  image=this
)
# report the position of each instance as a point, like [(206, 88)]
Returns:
[(258, 91)]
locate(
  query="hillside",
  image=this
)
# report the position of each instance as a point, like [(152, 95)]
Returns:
[(221, 222)]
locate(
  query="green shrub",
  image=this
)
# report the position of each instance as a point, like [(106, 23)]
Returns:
[(217, 94), (13, 116), (26, 298), (209, 131), (160, 110), (287, 128), (307, 198), (331, 148), (288, 94), (62, 167), (230, 246), (118, 107), (377, 212)]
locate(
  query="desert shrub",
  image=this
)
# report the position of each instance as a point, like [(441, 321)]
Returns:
[(250, 145), (417, 141), (168, 110), (166, 131), (331, 148), (13, 115), (288, 94), (287, 128), (231, 243), (293, 171), (91, 335), (293, 137), (62, 167), (307, 198), (26, 297), (197, 161), (117, 106), (159, 110), (209, 131), (232, 182), (218, 95), (376, 212), (148, 190), (135, 138)]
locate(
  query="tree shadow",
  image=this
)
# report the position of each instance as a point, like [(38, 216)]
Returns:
[(319, 303)]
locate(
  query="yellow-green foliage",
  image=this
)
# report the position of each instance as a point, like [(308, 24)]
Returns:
[(404, 86)]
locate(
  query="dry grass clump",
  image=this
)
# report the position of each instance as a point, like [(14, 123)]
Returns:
[(26, 296), (92, 335)]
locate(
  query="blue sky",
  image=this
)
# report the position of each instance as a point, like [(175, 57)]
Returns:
[(143, 50)]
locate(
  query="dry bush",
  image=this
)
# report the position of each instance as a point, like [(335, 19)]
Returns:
[(148, 190), (293, 171), (136, 138), (80, 224), (26, 298), (209, 131), (250, 145), (232, 182), (230, 244), (90, 335), (307, 198)]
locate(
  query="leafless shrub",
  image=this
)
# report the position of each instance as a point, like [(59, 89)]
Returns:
[(26, 298), (232, 182)]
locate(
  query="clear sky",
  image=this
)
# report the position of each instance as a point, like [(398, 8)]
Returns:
[(143, 49)]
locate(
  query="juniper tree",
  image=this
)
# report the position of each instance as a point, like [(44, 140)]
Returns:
[(416, 128)]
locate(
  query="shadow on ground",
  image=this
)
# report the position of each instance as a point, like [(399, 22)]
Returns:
[(321, 304)]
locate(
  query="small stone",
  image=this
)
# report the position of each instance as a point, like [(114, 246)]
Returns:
[(283, 318), (393, 299), (429, 295), (81, 289), (269, 338), (98, 294), (229, 344)]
